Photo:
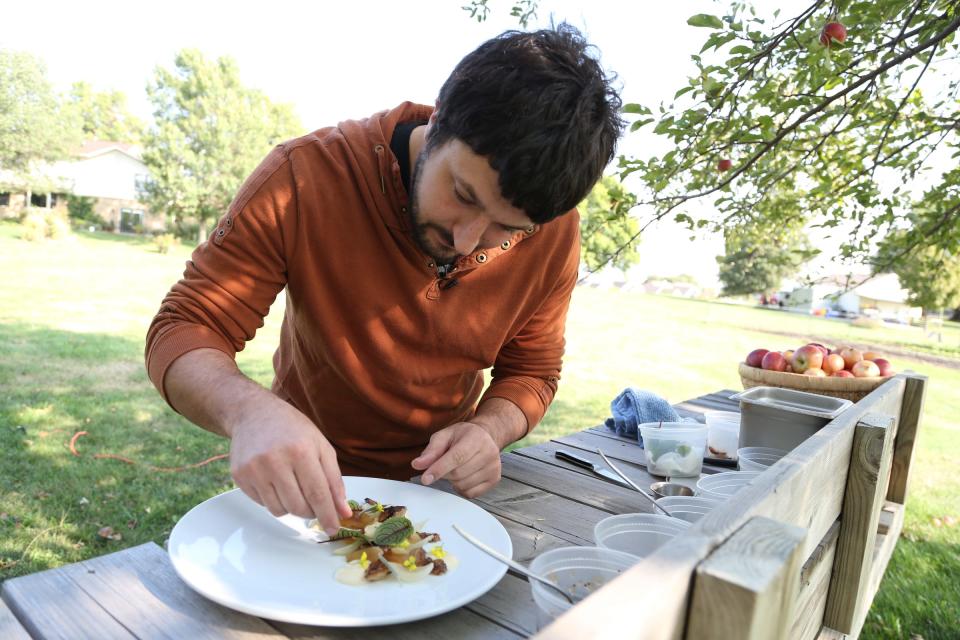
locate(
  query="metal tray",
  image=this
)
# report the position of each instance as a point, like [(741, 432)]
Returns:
[(810, 404)]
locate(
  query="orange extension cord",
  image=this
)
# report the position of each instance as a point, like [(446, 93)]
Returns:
[(113, 456)]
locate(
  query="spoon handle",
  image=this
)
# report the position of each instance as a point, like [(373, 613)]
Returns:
[(516, 566), (632, 483)]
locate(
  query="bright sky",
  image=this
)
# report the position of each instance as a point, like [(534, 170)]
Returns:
[(342, 60)]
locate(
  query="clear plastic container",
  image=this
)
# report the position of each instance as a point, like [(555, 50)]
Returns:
[(674, 449), (689, 508), (721, 486), (758, 458), (577, 570), (723, 434), (638, 534)]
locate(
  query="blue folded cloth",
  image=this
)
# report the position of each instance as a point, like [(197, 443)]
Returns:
[(633, 407)]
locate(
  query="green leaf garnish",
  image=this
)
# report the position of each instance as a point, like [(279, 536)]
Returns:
[(354, 505), (393, 531), (344, 533)]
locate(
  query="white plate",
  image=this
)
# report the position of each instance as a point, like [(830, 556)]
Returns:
[(233, 551)]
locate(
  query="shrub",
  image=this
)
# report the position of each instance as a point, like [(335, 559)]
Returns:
[(164, 241), (34, 225)]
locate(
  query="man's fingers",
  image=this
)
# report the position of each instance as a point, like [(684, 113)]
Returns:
[(338, 493), (271, 500), (316, 492), (439, 442), (455, 457)]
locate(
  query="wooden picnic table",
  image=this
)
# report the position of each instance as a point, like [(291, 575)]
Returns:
[(542, 502)]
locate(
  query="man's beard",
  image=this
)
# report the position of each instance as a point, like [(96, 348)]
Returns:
[(441, 255)]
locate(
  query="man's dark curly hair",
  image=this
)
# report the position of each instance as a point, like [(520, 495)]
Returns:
[(541, 109)]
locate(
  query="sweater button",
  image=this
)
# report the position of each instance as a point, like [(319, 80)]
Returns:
[(505, 245), (482, 258)]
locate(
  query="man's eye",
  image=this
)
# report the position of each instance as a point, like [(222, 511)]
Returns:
[(461, 197)]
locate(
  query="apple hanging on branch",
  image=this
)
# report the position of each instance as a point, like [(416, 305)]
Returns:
[(724, 164), (832, 31)]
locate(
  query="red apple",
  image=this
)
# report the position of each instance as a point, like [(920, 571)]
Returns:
[(788, 356), (833, 363), (807, 357), (865, 369), (850, 357), (832, 31), (724, 164), (755, 357), (871, 355), (774, 361), (886, 369), (822, 348), (816, 372), (843, 373)]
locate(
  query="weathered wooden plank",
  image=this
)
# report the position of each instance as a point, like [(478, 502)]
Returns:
[(908, 426), (528, 542), (49, 605), (863, 499), (814, 583), (10, 627), (142, 591), (459, 623), (796, 491), (585, 488), (510, 604), (883, 550), (533, 466), (615, 449), (538, 509), (746, 589), (826, 633)]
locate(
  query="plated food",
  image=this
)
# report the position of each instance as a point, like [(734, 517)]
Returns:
[(380, 542)]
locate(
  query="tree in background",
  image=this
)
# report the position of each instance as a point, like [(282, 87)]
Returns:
[(848, 102), (34, 125), (758, 257), (103, 115), (605, 226), (208, 135), (931, 275), (768, 247)]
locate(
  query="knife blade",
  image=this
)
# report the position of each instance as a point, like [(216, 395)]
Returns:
[(597, 469)]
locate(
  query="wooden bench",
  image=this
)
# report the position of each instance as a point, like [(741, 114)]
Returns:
[(798, 553)]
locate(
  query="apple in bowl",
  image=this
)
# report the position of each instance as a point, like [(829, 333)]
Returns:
[(807, 357)]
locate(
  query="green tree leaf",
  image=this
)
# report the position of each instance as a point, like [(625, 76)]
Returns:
[(705, 20)]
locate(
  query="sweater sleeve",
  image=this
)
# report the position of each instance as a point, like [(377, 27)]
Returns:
[(527, 368), (232, 279)]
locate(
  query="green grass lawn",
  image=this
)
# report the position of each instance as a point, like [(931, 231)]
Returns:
[(73, 315)]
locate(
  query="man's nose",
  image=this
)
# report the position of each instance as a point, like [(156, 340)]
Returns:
[(467, 235)]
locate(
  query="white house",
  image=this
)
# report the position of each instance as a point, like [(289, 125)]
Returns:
[(879, 296), (109, 172)]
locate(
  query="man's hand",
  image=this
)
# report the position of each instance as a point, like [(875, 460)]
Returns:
[(463, 453), (282, 461), (278, 457), (468, 453)]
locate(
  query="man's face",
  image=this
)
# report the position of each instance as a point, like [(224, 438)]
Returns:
[(456, 206)]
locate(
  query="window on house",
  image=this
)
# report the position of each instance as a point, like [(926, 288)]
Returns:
[(38, 200), (4, 199), (131, 220)]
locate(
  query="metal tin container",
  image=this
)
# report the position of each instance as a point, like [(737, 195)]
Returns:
[(783, 418)]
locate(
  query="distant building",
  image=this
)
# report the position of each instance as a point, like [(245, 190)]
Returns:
[(112, 173), (879, 296)]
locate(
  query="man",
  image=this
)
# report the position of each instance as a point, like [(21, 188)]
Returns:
[(417, 248)]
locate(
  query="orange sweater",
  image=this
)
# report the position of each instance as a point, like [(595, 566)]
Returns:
[(372, 349)]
